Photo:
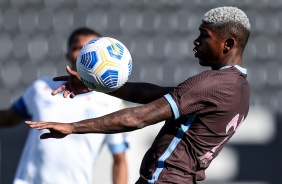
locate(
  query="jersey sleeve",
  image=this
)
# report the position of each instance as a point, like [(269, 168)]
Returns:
[(199, 94), (117, 143), (21, 106)]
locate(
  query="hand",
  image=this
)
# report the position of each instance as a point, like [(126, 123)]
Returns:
[(57, 130), (73, 85)]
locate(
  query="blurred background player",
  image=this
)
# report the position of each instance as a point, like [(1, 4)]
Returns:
[(202, 113), (70, 160)]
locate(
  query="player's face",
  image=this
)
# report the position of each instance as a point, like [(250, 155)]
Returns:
[(73, 50), (209, 47)]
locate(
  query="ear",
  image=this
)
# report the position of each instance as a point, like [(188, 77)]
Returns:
[(228, 45)]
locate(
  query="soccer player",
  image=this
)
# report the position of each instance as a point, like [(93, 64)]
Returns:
[(201, 114), (68, 161)]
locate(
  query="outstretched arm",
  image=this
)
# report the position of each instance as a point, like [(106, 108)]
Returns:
[(125, 120), (134, 92), (141, 93)]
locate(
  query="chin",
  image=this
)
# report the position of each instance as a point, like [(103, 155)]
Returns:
[(204, 63)]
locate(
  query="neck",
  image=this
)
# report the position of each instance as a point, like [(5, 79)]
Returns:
[(228, 62)]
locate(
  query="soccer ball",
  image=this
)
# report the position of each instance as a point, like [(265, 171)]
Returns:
[(104, 64)]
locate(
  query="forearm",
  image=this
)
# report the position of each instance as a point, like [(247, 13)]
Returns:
[(125, 120), (120, 173), (121, 121), (140, 92)]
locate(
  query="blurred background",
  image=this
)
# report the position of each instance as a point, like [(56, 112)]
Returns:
[(159, 35)]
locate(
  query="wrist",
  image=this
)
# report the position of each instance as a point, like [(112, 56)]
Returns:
[(73, 128)]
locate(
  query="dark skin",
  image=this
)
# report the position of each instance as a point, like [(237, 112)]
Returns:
[(212, 49), (121, 121), (215, 50)]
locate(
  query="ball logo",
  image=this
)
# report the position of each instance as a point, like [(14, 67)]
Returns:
[(89, 59), (115, 50), (110, 78)]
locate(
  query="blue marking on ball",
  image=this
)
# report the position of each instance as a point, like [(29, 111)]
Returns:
[(89, 59), (110, 78), (113, 53), (129, 68), (94, 40)]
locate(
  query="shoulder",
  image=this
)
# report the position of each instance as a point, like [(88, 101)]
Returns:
[(214, 77), (202, 79), (210, 81)]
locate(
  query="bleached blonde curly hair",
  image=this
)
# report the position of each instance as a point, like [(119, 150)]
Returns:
[(230, 22), (222, 15)]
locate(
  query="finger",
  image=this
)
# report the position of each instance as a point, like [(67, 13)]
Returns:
[(38, 125), (59, 89), (66, 92), (46, 136), (72, 87), (72, 95), (71, 72), (61, 78), (33, 123), (41, 127), (28, 122)]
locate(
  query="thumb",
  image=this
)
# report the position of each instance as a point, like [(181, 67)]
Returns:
[(70, 71), (46, 136)]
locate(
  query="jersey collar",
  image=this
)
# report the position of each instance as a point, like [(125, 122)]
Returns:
[(241, 69)]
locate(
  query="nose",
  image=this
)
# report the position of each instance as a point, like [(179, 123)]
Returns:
[(196, 42)]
